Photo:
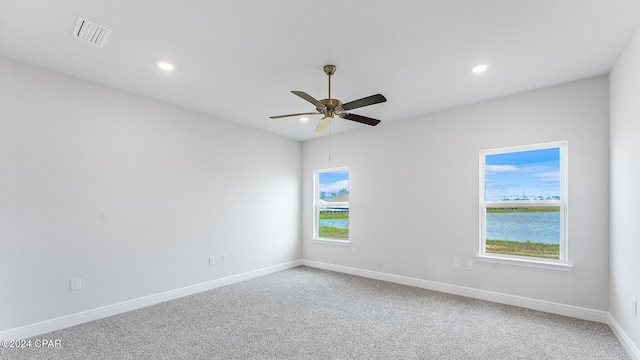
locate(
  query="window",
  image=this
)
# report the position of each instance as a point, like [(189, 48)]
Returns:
[(523, 200), (331, 202)]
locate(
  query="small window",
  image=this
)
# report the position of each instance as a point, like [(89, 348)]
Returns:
[(331, 201), (523, 203)]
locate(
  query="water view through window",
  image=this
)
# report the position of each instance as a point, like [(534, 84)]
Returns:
[(530, 231), (522, 203), (333, 204)]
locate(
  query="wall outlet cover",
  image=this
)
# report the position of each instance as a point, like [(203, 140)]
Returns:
[(76, 284)]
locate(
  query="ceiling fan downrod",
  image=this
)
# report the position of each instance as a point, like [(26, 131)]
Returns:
[(332, 105), (329, 70)]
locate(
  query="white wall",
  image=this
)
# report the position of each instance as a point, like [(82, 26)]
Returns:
[(133, 195), (129, 194), (414, 192), (625, 191)]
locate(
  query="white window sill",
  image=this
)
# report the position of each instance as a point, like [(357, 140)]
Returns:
[(332, 242), (525, 262)]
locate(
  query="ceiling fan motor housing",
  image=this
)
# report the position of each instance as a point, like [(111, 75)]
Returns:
[(331, 104)]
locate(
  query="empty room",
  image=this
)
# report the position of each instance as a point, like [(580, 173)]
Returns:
[(320, 180)]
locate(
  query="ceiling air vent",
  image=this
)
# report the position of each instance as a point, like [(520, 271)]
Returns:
[(90, 32)]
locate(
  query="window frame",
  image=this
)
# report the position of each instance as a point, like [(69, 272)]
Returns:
[(555, 264), (317, 207)]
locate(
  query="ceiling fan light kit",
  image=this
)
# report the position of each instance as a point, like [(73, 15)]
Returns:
[(330, 107)]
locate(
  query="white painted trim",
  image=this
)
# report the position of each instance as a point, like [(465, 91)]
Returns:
[(534, 304), (625, 340), (46, 326), (505, 259), (332, 242)]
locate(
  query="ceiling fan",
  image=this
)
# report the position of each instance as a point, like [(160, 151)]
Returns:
[(330, 107)]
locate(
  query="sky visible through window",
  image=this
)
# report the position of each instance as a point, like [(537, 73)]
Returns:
[(334, 181), (523, 175)]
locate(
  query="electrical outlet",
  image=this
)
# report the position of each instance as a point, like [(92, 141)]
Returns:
[(76, 284), (290, 246), (224, 258), (469, 264), (212, 260), (456, 263), (354, 250), (635, 307)]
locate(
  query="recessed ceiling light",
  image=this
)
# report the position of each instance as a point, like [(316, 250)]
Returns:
[(304, 119), (166, 66), (479, 68)]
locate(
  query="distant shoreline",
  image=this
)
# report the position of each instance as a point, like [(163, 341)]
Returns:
[(514, 209)]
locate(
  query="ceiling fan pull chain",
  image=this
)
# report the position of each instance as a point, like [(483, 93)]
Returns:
[(330, 141)]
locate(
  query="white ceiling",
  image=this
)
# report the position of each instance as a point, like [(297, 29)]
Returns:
[(238, 60)]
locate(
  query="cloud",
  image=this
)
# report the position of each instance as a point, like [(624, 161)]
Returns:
[(500, 168), (548, 176), (335, 187)]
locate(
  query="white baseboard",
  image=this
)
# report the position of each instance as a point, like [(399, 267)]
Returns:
[(625, 340), (44, 327), (540, 305)]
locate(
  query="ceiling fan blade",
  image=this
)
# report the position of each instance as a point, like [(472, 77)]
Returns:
[(310, 99), (300, 114), (360, 119), (369, 100), (323, 124)]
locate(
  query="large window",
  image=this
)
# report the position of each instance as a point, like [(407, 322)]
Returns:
[(331, 202), (523, 201)]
